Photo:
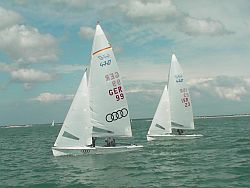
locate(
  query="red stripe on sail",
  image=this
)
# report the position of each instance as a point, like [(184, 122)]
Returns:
[(101, 50)]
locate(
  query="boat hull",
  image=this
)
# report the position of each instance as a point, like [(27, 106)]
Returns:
[(73, 151), (172, 137)]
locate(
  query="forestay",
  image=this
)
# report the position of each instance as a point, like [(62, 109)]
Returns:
[(161, 123), (108, 105), (180, 101), (76, 129)]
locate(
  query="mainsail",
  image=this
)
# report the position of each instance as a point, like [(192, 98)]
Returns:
[(108, 105), (161, 123), (76, 129), (180, 101)]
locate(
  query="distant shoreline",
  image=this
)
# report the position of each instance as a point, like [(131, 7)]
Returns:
[(137, 119), (222, 116), (205, 116)]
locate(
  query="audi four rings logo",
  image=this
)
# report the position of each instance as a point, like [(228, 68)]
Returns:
[(119, 114)]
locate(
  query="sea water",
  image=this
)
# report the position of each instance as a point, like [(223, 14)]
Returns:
[(219, 159)]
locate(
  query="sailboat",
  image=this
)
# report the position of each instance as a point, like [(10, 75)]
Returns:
[(175, 108), (53, 123), (99, 108)]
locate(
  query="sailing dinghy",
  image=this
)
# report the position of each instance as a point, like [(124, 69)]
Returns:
[(53, 123), (99, 108), (175, 108)]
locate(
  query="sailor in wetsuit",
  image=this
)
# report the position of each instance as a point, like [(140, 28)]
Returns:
[(180, 131), (93, 141), (110, 142)]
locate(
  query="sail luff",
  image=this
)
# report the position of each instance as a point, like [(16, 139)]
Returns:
[(169, 74)]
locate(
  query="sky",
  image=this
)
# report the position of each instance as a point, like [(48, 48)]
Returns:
[(45, 47)]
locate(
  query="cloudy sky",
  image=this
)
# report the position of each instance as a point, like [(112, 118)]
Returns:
[(45, 45)]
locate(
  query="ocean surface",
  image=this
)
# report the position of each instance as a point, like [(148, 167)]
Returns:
[(220, 159)]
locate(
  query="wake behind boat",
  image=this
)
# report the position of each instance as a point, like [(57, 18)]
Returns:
[(99, 108), (174, 111), (15, 126)]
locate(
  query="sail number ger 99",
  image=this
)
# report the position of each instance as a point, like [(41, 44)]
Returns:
[(117, 91)]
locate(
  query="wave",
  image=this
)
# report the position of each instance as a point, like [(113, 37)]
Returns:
[(16, 126)]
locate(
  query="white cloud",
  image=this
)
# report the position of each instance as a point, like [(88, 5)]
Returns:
[(222, 87), (144, 90), (196, 26), (51, 97), (62, 3), (72, 3), (196, 81), (30, 76), (235, 93), (87, 32), (153, 10), (26, 45), (65, 69), (166, 13), (27, 76), (8, 18)]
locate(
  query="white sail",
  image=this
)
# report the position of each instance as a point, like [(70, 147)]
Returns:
[(180, 101), (108, 105), (161, 123), (53, 123), (76, 129)]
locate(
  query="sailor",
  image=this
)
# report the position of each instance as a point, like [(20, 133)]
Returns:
[(108, 141), (180, 131), (113, 142), (93, 141)]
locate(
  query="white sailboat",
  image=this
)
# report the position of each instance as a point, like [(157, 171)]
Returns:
[(99, 108), (175, 108), (53, 123)]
